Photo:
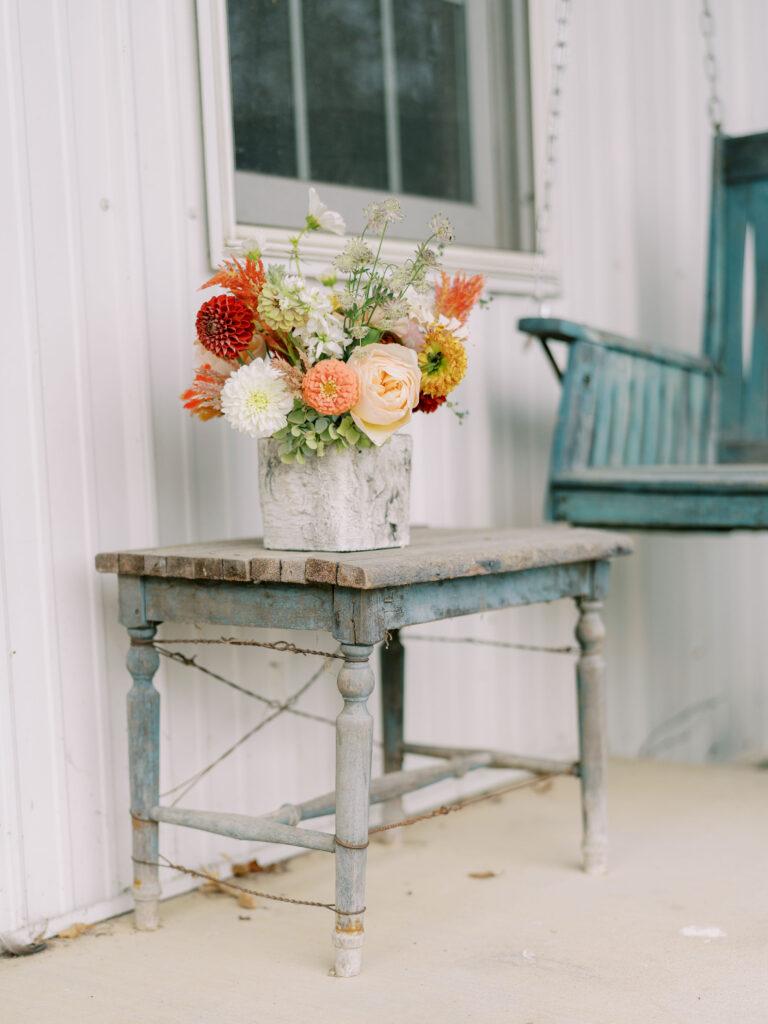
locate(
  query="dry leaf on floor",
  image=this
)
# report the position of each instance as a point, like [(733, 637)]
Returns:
[(211, 887), (75, 930), (482, 874), (252, 867), (247, 901)]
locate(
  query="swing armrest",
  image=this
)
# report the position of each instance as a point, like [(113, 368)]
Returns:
[(551, 329)]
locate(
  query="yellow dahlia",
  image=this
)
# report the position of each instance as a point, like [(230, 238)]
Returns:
[(443, 362)]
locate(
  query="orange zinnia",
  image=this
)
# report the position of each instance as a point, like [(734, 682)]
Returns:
[(330, 387)]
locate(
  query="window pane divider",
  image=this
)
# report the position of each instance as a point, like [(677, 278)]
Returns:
[(391, 111), (300, 119)]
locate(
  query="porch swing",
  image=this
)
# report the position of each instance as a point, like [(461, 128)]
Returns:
[(649, 438)]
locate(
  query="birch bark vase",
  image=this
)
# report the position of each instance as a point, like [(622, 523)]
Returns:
[(348, 500)]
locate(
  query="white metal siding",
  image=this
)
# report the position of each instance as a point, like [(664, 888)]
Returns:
[(102, 247)]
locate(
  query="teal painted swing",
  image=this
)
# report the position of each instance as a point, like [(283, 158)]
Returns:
[(652, 438)]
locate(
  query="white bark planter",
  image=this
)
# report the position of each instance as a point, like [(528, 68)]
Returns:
[(349, 500)]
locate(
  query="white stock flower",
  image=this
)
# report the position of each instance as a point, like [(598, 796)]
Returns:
[(322, 335), (320, 218), (256, 400), (420, 306)]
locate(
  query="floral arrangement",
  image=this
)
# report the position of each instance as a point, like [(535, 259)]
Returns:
[(343, 362)]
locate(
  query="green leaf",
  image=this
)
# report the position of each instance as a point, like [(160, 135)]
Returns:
[(310, 441), (373, 335), (320, 424), (296, 431)]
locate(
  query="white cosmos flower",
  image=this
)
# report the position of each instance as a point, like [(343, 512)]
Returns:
[(252, 246), (255, 399), (320, 218)]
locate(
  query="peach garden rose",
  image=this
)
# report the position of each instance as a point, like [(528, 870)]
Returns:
[(389, 378)]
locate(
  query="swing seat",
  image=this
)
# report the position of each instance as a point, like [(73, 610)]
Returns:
[(652, 438), (665, 497)]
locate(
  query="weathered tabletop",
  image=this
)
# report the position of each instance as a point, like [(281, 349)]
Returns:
[(434, 554), (361, 599)]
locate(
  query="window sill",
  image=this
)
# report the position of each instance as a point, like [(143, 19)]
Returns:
[(506, 272)]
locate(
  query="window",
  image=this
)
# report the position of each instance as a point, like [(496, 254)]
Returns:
[(424, 99)]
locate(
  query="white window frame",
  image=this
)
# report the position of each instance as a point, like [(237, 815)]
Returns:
[(507, 271)]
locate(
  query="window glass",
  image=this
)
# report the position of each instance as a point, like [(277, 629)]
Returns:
[(345, 92), (262, 96), (433, 99), (424, 99)]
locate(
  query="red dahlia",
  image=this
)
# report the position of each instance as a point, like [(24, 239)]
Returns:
[(224, 326), (429, 404)]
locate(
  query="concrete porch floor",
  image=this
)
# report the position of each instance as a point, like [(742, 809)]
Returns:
[(537, 942)]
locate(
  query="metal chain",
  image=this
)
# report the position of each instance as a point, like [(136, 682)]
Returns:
[(543, 210), (714, 103)]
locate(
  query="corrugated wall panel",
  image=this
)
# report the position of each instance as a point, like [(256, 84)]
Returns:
[(103, 247)]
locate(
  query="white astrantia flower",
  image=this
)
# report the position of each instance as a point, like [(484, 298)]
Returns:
[(442, 228), (255, 400), (379, 215), (320, 218), (357, 254)]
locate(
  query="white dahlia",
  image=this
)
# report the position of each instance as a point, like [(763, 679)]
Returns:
[(255, 400)]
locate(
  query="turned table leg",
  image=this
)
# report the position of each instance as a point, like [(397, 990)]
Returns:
[(354, 743), (143, 757), (392, 701), (590, 680)]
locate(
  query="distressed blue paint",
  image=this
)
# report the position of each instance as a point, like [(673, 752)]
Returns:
[(359, 618), (392, 663), (144, 761), (367, 616), (270, 605), (629, 404)]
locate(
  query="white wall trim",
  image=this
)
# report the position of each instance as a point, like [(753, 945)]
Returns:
[(507, 272)]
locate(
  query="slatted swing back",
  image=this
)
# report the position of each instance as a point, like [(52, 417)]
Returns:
[(736, 322), (654, 438)]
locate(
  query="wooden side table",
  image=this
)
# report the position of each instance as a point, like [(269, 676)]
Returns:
[(360, 598)]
